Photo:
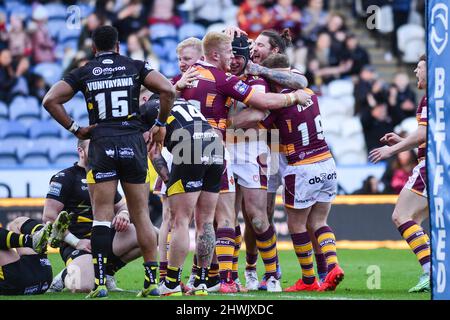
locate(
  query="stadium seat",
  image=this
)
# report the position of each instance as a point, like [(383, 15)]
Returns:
[(169, 69), (217, 27), (4, 111), (64, 153), (384, 19), (73, 104), (351, 126), (408, 125), (413, 50), (44, 129), (159, 50), (352, 158), (327, 106), (160, 31), (8, 155), (34, 155), (56, 11), (51, 72), (66, 34), (79, 112), (13, 129), (188, 30), (407, 33), (24, 108), (170, 46), (55, 26), (332, 124), (340, 88)]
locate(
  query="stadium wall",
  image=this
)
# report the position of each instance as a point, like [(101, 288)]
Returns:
[(355, 218)]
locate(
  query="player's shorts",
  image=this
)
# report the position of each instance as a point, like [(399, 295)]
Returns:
[(31, 274), (249, 165), (276, 170), (121, 158), (417, 181), (306, 184)]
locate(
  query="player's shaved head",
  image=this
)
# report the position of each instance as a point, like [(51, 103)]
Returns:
[(277, 61), (190, 43), (105, 38), (214, 41)]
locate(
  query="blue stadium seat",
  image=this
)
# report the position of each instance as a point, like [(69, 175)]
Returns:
[(34, 155), (73, 104), (159, 50), (66, 34), (42, 129), (85, 9), (56, 11), (191, 30), (51, 72), (24, 108), (54, 26), (80, 112), (13, 129), (162, 31), (64, 153), (169, 68), (8, 155), (4, 111)]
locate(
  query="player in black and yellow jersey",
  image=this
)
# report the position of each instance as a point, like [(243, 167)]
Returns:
[(68, 191), (24, 267), (111, 86), (193, 184)]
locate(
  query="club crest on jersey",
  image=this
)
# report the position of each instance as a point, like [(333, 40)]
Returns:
[(148, 66), (110, 153), (107, 61), (241, 87)]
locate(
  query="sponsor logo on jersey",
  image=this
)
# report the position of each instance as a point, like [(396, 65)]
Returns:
[(84, 181), (110, 153), (194, 184), (107, 61), (298, 200), (108, 84), (60, 174), (55, 189), (322, 178), (98, 70), (126, 153), (148, 66), (104, 175), (241, 87)]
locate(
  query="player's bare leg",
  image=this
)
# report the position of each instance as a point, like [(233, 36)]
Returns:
[(225, 219), (137, 198), (410, 211), (164, 230), (102, 198), (297, 220)]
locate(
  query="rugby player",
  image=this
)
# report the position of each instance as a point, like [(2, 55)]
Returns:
[(26, 269), (68, 191), (117, 151), (210, 93), (412, 204), (193, 186)]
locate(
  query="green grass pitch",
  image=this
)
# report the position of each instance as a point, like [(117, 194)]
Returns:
[(399, 271)]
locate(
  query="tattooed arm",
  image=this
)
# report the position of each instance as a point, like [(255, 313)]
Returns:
[(159, 163), (291, 80)]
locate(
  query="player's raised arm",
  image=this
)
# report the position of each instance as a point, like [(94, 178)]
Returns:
[(60, 93)]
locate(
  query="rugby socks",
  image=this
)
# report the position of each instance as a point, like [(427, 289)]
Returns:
[(224, 251), (418, 241), (304, 251), (251, 260), (150, 268), (173, 277), (213, 271), (31, 226), (162, 270), (114, 264), (267, 246), (101, 249), (194, 265), (201, 276), (327, 243), (9, 239), (322, 268), (237, 247)]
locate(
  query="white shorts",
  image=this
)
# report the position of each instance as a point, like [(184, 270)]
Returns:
[(306, 184), (417, 182), (276, 170), (227, 183), (160, 187)]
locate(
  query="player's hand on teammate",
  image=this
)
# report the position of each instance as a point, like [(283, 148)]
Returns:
[(302, 96), (391, 138), (84, 133), (379, 154), (156, 136), (121, 222), (84, 244), (187, 79), (232, 31)]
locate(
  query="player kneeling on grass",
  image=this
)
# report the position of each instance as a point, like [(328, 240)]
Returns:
[(309, 180), (68, 191), (26, 269), (192, 186)]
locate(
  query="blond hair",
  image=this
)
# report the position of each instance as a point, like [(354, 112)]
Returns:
[(190, 42), (214, 41)]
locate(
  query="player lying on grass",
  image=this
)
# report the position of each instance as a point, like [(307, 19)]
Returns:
[(192, 187), (412, 204), (68, 191), (24, 267), (309, 181)]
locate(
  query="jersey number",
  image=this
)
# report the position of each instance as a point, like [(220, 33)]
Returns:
[(119, 106), (190, 114), (303, 128)]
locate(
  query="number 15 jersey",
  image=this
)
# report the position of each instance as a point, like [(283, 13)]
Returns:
[(111, 86)]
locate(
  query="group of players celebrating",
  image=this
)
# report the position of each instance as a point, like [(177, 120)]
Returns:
[(205, 133)]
